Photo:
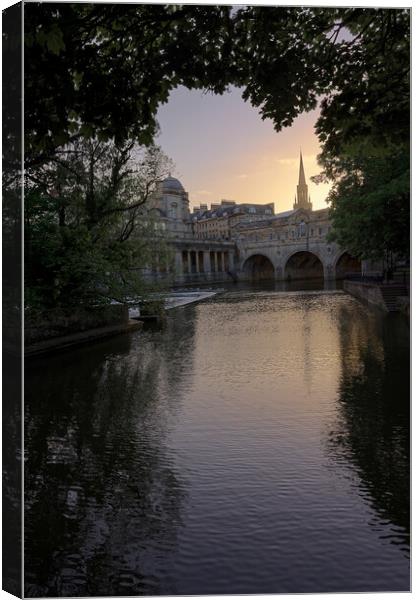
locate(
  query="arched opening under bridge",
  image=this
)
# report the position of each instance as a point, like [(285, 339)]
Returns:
[(258, 268), (304, 265), (346, 265)]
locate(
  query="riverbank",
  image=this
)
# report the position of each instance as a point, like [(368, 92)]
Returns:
[(83, 337), (178, 299), (390, 297), (58, 331)]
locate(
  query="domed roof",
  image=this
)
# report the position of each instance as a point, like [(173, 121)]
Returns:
[(170, 183)]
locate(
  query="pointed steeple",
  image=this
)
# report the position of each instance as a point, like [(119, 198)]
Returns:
[(301, 176), (302, 199)]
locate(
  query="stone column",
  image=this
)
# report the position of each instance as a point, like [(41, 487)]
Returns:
[(223, 263), (216, 266), (206, 260), (231, 260), (178, 262), (189, 261)]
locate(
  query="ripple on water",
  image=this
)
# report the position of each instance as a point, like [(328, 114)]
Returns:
[(256, 444)]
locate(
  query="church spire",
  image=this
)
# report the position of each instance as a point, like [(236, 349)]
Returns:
[(302, 199), (301, 176)]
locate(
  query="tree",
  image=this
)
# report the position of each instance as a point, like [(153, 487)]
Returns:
[(102, 70), (370, 207), (290, 59), (356, 63), (88, 231)]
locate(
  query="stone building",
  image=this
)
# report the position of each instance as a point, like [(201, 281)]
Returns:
[(217, 221), (171, 208), (231, 241), (195, 259), (292, 244)]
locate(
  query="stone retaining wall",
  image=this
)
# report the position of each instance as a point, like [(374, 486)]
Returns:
[(56, 323), (370, 292)]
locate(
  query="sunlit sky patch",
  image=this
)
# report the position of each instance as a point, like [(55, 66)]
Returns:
[(223, 150)]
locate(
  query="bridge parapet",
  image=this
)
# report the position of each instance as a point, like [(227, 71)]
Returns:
[(279, 253)]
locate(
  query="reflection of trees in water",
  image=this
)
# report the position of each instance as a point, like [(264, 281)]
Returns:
[(373, 428), (12, 476), (103, 500)]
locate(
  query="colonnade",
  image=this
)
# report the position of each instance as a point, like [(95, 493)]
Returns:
[(204, 261)]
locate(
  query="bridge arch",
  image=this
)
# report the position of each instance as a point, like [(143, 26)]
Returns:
[(258, 267), (303, 265), (345, 264)]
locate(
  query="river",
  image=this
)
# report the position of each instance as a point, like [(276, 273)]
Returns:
[(258, 443)]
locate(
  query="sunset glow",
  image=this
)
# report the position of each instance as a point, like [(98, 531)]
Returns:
[(223, 150)]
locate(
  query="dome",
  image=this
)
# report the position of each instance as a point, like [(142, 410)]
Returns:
[(170, 183)]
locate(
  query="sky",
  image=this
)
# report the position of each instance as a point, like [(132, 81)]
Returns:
[(222, 149)]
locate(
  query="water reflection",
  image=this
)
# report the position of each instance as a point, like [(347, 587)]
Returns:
[(372, 429), (103, 499), (12, 476), (257, 444)]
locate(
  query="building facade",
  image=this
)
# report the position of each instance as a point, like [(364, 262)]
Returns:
[(230, 241), (218, 221), (170, 206)]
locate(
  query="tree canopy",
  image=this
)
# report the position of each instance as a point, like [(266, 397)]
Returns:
[(369, 207), (88, 231), (99, 72), (104, 69)]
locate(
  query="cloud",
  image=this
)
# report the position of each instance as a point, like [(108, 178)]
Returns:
[(242, 176)]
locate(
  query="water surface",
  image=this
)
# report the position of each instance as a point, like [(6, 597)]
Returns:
[(259, 443)]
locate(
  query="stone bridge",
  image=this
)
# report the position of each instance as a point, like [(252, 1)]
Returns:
[(300, 259), (289, 246), (221, 261)]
